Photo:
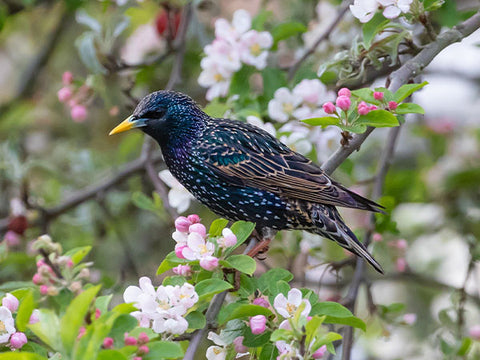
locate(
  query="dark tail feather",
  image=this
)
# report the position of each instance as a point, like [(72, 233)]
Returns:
[(330, 225)]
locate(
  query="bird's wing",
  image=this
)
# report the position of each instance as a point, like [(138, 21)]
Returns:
[(248, 156)]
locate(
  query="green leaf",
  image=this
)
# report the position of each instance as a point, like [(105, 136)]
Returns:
[(77, 254), (143, 201), (322, 121), (240, 84), (312, 328), (25, 311), (272, 276), (281, 334), (217, 226), (273, 79), (409, 108), (124, 308), (48, 329), (378, 118), (251, 340), (354, 128), (406, 90), (211, 286), (124, 323), (163, 350), (269, 352), (284, 30), (170, 261), (464, 346), (75, 316), (371, 28), (242, 263), (196, 320), (242, 230), (101, 303), (111, 355), (246, 310), (216, 109), (328, 338), (85, 44), (337, 314), (21, 356), (260, 19)]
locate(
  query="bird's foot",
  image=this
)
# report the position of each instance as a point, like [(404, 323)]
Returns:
[(260, 249)]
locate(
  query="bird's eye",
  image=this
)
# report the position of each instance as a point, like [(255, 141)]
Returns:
[(154, 114)]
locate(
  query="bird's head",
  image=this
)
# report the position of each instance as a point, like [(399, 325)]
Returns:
[(163, 115)]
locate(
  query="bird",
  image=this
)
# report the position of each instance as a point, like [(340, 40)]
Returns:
[(241, 172)]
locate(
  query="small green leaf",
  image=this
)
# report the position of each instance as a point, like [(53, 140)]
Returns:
[(211, 286), (464, 347), (85, 44), (196, 320), (143, 201), (163, 350), (242, 263), (48, 329), (240, 82), (312, 327), (246, 310), (101, 303), (409, 108), (378, 118), (242, 230), (284, 30), (281, 334), (406, 90), (216, 109), (322, 121), (371, 28), (251, 340), (326, 339), (354, 128), (75, 316), (21, 356), (77, 254), (269, 352), (273, 79), (272, 276), (170, 261), (217, 226), (111, 355), (122, 324), (337, 314), (25, 311)]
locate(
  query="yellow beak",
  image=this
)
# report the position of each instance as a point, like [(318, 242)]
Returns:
[(125, 125)]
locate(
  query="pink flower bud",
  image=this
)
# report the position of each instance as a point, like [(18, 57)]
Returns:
[(130, 341), (43, 289), (372, 107), (363, 108), (329, 108), (209, 262), (143, 338), (392, 105), (179, 250), (108, 343), (64, 94), (378, 95), (410, 318), (98, 313), (17, 340), (10, 302), (474, 332), (401, 264), (35, 317), (143, 349), (239, 347), (78, 113), (37, 279), (199, 229), (309, 318), (258, 324), (377, 237), (228, 239), (182, 224), (344, 92), (183, 270), (40, 263), (320, 352), (81, 332), (11, 238), (137, 358), (261, 302), (194, 218), (343, 102), (67, 78), (401, 244)]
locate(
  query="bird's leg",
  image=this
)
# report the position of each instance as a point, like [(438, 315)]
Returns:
[(263, 236)]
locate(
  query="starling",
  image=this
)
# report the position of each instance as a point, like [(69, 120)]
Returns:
[(241, 172)]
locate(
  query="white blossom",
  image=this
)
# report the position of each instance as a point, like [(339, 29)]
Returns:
[(287, 306), (268, 127), (197, 247), (178, 196), (254, 46), (364, 10), (393, 8), (7, 327), (217, 351), (241, 23), (283, 104), (215, 77)]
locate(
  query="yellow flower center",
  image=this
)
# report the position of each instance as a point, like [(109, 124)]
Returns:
[(218, 77), (164, 305), (3, 329), (255, 49), (291, 308), (217, 350), (287, 108), (203, 249)]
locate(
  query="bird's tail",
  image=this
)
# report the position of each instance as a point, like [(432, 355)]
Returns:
[(330, 224)]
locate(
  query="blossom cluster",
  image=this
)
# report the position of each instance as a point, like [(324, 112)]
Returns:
[(235, 43), (293, 312), (193, 243), (74, 97), (364, 10), (8, 334), (162, 309)]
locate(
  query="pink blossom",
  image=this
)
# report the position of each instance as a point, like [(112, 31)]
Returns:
[(441, 126), (194, 218), (474, 332), (137, 358), (35, 317), (363, 108), (238, 343), (183, 270), (228, 238), (17, 340), (377, 237), (392, 105), (37, 279), (320, 352), (78, 113), (343, 102), (130, 341), (410, 318), (182, 224), (179, 250), (67, 78), (64, 94), (378, 95), (197, 247), (98, 313), (11, 238), (344, 92), (43, 289), (313, 92), (225, 54), (329, 108), (143, 349), (199, 229), (258, 324), (209, 262), (143, 338), (260, 301), (108, 343), (401, 244), (401, 264), (372, 107), (10, 302)]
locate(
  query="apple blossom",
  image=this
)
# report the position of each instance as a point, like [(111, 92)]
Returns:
[(329, 108), (43, 289), (228, 238), (183, 270), (35, 317), (143, 338), (410, 318), (178, 196), (343, 102), (378, 95), (344, 92), (12, 238), (474, 332), (392, 105), (320, 352), (130, 341), (17, 340), (225, 54), (64, 94), (143, 349), (179, 250), (287, 306), (253, 48), (108, 343), (182, 224), (78, 113), (67, 78), (6, 324), (393, 8), (401, 264), (199, 229), (169, 323), (363, 108), (283, 104), (258, 324), (209, 262), (215, 78), (238, 343), (268, 127), (10, 302), (241, 23), (197, 247), (364, 10), (260, 301), (217, 351)]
